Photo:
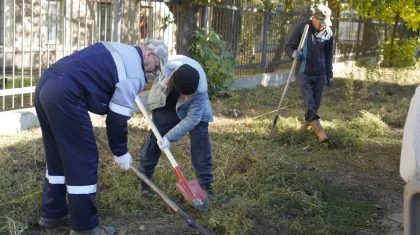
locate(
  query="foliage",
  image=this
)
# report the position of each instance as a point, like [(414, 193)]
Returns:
[(400, 55), (388, 10), (205, 1), (166, 21), (209, 49)]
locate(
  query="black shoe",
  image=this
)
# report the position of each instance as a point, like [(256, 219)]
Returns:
[(146, 192), (51, 223), (209, 191)]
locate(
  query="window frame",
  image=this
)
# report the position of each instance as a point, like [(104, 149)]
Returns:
[(59, 16)]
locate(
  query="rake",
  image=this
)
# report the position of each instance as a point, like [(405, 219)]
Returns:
[(292, 70)]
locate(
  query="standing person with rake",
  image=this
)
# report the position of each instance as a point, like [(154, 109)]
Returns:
[(315, 65), (180, 104), (103, 78)]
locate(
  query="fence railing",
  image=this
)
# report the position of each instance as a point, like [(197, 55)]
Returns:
[(36, 33)]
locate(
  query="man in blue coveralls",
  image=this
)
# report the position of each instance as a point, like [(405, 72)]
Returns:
[(103, 78), (315, 64)]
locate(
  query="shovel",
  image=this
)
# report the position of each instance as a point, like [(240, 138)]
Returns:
[(165, 198), (292, 70), (190, 189)]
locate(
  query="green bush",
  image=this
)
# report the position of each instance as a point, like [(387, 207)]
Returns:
[(210, 50), (400, 55)]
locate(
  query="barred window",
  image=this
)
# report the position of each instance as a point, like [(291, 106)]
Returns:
[(52, 19)]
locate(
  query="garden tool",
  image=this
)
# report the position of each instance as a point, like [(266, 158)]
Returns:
[(165, 198), (292, 70), (190, 189)]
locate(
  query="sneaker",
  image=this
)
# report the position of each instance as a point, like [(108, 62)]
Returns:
[(99, 230), (51, 223)]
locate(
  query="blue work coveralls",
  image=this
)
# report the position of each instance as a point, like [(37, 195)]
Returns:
[(103, 78)]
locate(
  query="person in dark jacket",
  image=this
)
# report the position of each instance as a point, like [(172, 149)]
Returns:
[(103, 78), (314, 68)]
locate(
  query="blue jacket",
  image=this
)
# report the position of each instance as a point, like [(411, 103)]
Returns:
[(317, 50), (111, 75), (191, 112)]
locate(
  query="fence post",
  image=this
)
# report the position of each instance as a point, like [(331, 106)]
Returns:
[(265, 39), (337, 36), (117, 21), (358, 37), (204, 17)]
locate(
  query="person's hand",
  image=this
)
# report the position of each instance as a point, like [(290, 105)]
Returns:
[(296, 54), (164, 143), (330, 82), (124, 161)]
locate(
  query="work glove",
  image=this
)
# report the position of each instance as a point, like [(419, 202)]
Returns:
[(329, 82), (164, 143), (296, 54), (124, 161)]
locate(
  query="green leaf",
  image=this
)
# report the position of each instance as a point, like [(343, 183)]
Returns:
[(209, 50)]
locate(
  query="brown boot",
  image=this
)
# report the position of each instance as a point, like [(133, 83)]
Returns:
[(316, 126), (304, 125)]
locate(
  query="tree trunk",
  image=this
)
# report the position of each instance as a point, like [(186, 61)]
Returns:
[(369, 38), (228, 24), (185, 18), (394, 29)]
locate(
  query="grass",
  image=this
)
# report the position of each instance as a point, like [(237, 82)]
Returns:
[(286, 185)]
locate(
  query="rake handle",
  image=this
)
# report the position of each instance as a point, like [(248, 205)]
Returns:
[(302, 40), (164, 197), (168, 153)]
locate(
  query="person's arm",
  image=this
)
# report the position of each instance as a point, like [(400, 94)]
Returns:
[(119, 113), (293, 42), (328, 57), (194, 114)]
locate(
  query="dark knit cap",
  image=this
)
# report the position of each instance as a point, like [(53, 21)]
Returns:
[(186, 79)]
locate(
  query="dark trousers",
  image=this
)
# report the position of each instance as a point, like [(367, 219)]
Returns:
[(70, 150), (165, 119), (311, 88)]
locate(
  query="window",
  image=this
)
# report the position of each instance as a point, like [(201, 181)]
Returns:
[(1, 22), (104, 19), (52, 19)]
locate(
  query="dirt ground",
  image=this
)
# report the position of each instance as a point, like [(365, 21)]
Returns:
[(391, 222), (163, 226)]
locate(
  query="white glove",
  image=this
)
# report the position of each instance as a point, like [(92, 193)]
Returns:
[(124, 161), (164, 143)]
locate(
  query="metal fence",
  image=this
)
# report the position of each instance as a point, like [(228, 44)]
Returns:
[(36, 33)]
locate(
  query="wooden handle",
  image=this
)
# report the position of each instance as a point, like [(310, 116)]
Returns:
[(155, 131)]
